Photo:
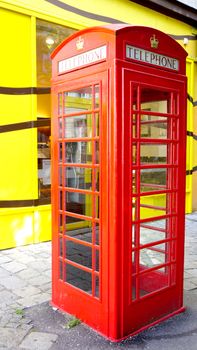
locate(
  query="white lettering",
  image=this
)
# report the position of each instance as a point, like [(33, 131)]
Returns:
[(154, 58), (88, 57)]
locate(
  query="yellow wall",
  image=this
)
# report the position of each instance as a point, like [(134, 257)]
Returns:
[(18, 176)]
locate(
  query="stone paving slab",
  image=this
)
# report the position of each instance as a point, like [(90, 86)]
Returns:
[(10, 338), (38, 341)]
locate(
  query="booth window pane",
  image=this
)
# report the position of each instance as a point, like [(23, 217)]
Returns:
[(78, 126), (96, 96), (79, 278), (81, 230), (79, 203), (78, 100), (154, 127), (79, 253), (154, 100), (78, 152), (153, 153), (153, 180), (77, 177)]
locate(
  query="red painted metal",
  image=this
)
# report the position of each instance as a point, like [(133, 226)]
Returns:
[(118, 180)]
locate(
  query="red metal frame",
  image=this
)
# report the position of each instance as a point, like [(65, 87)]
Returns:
[(152, 290)]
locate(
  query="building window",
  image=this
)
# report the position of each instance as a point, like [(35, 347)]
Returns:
[(48, 37)]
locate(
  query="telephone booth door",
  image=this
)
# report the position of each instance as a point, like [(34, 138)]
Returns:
[(80, 284), (154, 197)]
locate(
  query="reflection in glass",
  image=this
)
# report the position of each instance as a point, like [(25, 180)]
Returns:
[(79, 253), (154, 127), (153, 153), (97, 96), (79, 203), (96, 286), (78, 152), (78, 100), (96, 124), (77, 177), (150, 257), (81, 231), (155, 100), (97, 260), (153, 180), (60, 103), (134, 153), (60, 127), (78, 126), (149, 206), (79, 278), (151, 234)]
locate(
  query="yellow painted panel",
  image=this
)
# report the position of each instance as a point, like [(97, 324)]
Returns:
[(15, 62), (42, 223), (23, 226), (18, 175), (16, 109), (16, 227)]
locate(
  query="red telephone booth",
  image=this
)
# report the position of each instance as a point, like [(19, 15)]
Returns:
[(118, 177)]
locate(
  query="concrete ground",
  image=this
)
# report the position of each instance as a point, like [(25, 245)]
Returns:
[(27, 321)]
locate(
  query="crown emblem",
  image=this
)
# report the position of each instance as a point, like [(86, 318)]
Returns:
[(154, 42), (80, 43)]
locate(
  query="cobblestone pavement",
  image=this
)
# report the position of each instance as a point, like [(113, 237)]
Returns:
[(27, 321)]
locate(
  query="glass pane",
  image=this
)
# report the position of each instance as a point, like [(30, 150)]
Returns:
[(152, 281), (96, 124), (79, 203), (154, 100), (60, 175), (97, 233), (60, 127), (97, 96), (154, 127), (61, 246), (153, 256), (60, 103), (153, 180), (134, 181), (78, 152), (135, 203), (77, 177), (81, 230), (78, 126), (96, 158), (134, 126), (153, 153), (151, 234), (97, 286), (97, 260), (60, 151), (78, 100), (61, 270), (134, 153), (79, 253), (48, 36), (79, 278), (151, 206)]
